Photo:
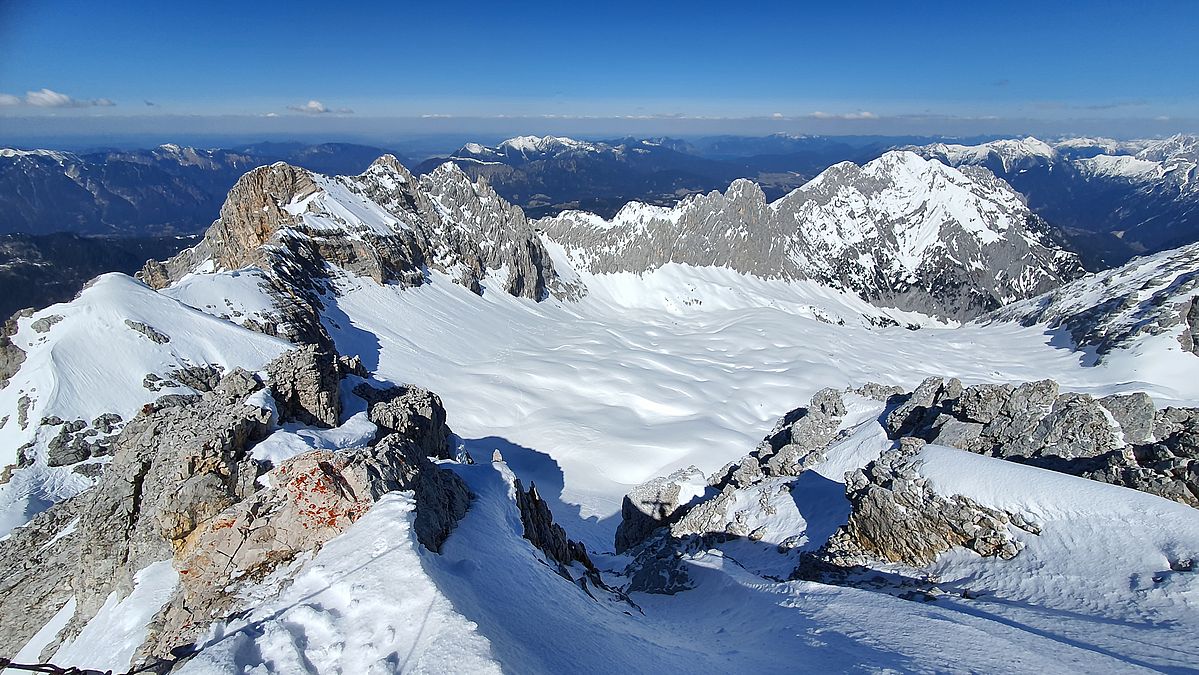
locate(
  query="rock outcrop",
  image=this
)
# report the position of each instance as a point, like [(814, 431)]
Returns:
[(652, 505), (1119, 439), (305, 384), (11, 356), (309, 500), (897, 517), (541, 530), (411, 411), (292, 224), (182, 485)]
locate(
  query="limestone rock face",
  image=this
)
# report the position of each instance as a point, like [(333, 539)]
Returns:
[(1134, 413), (182, 485), (32, 585), (311, 498), (11, 356), (173, 467), (305, 384), (897, 517), (1119, 439)]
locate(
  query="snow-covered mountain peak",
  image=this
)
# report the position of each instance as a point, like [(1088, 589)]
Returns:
[(1005, 154), (13, 153), (388, 162), (900, 231), (745, 189), (1178, 146), (448, 171), (546, 145)]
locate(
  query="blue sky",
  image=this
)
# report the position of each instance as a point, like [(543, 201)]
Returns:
[(870, 67)]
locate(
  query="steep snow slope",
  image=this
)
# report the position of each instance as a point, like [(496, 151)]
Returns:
[(1148, 301)]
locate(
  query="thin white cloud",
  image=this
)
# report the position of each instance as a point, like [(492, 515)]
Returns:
[(8, 100), (315, 107), (48, 98), (860, 115)]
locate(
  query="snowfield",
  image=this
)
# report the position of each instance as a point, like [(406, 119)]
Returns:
[(683, 366)]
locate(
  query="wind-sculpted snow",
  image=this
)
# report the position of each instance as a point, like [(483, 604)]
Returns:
[(899, 231)]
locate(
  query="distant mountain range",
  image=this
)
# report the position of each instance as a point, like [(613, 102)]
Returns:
[(1107, 199), (164, 190), (1113, 199), (41, 269)]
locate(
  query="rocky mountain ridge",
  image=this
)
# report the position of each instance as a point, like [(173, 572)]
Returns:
[(899, 231)]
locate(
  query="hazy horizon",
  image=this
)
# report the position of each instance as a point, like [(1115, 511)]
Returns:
[(273, 70)]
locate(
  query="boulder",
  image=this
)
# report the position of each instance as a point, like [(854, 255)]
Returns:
[(897, 517), (413, 412), (305, 383)]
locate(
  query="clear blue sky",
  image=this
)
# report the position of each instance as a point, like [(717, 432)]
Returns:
[(869, 66)]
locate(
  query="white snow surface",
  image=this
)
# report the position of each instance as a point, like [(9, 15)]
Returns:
[(364, 605), (680, 366), (109, 640)]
